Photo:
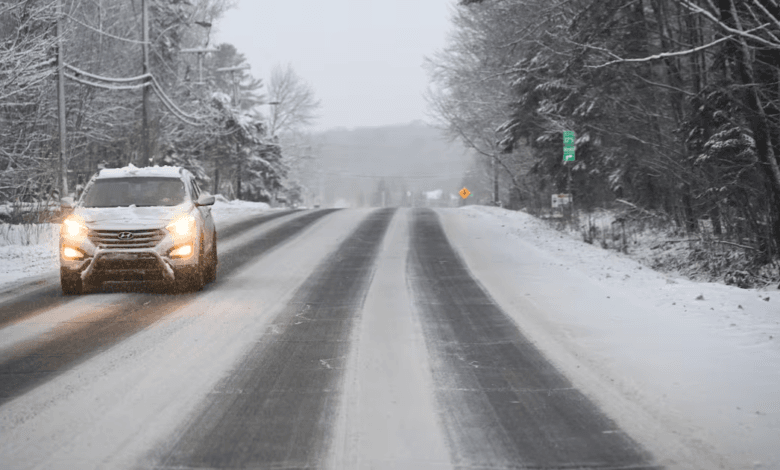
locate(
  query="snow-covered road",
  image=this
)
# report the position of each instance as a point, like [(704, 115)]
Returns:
[(361, 338)]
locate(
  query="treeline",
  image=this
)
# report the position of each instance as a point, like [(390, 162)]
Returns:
[(675, 105), (204, 108)]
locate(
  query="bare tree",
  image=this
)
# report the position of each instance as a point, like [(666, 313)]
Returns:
[(294, 108), (28, 142), (471, 87), (294, 105)]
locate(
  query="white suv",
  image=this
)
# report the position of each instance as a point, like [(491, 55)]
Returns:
[(139, 224)]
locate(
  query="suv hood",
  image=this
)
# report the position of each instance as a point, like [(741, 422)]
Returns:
[(131, 218)]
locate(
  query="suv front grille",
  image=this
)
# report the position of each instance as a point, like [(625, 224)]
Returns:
[(126, 238)]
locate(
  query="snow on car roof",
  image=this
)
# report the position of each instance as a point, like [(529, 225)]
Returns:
[(131, 170)]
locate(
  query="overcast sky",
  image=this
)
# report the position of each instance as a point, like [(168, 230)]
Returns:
[(362, 57)]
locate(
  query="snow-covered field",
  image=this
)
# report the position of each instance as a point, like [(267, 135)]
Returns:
[(702, 360), (28, 252)]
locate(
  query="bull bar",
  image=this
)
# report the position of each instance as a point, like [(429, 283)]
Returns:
[(101, 252)]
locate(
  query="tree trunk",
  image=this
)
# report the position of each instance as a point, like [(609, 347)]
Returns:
[(759, 122), (691, 224)]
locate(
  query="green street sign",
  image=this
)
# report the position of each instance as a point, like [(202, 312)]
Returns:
[(568, 154), (568, 146)]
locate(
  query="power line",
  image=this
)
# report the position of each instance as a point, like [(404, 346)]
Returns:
[(164, 98), (178, 113), (106, 87), (134, 41), (431, 177), (107, 79)]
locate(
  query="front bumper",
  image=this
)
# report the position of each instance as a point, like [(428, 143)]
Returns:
[(164, 263), (150, 263)]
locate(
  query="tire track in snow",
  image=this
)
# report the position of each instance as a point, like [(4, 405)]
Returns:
[(30, 365), (277, 408), (230, 231), (501, 403)]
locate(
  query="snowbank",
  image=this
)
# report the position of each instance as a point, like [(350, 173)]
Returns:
[(27, 251), (227, 212)]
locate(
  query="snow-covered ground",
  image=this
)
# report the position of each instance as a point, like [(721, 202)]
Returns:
[(692, 368), (700, 360), (30, 251), (657, 243)]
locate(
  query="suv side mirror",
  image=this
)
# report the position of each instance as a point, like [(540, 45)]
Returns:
[(205, 200), (67, 202)]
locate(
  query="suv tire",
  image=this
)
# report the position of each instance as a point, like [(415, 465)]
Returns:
[(211, 268), (192, 279), (71, 283)]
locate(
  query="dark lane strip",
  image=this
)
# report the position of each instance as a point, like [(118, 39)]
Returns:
[(277, 409), (502, 404), (232, 260), (228, 231), (77, 342), (39, 300), (31, 303)]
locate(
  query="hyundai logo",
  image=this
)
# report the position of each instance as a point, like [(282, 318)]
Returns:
[(125, 235)]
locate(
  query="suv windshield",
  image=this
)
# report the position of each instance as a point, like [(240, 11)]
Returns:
[(139, 191)]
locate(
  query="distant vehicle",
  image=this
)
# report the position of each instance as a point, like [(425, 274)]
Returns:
[(139, 224)]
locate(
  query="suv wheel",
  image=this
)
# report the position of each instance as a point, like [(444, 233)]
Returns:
[(71, 283), (211, 268), (191, 279)]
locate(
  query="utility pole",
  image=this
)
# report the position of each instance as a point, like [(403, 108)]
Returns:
[(233, 71), (147, 82), (495, 181), (62, 169), (275, 140), (236, 103), (200, 51)]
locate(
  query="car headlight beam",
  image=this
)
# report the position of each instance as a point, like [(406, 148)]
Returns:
[(182, 252), (71, 253), (74, 228), (182, 228)]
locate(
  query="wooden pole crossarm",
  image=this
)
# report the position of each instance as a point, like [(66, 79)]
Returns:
[(200, 50), (233, 69)]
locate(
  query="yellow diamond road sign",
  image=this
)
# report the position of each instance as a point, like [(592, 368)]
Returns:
[(464, 193)]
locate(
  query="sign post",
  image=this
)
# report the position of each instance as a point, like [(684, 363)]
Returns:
[(563, 202)]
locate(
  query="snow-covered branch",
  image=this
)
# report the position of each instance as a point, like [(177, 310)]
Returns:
[(663, 54), (104, 33), (734, 31)]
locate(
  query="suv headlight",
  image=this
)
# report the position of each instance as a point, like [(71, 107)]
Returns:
[(71, 253), (74, 228), (182, 228)]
